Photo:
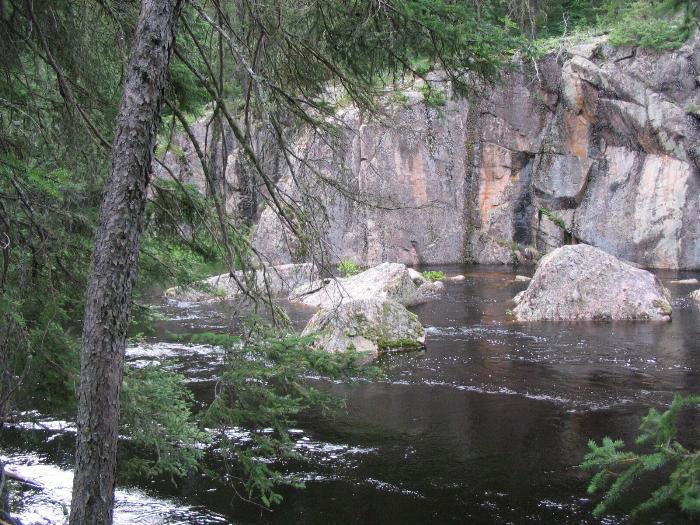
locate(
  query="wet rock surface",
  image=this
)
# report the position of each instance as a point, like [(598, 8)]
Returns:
[(274, 280), (695, 296), (370, 326), (384, 281), (581, 283)]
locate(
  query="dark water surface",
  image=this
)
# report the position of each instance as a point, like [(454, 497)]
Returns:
[(483, 427)]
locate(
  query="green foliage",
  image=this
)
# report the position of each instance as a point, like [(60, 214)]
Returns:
[(348, 268), (432, 96), (654, 25), (433, 276), (157, 417), (264, 389), (399, 344), (619, 469), (399, 97), (659, 25), (53, 164), (42, 226), (421, 66), (554, 218)]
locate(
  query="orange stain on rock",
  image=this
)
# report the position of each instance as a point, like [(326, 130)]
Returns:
[(577, 127), (495, 177)]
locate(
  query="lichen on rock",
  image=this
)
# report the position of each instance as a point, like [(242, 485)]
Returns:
[(385, 281), (366, 325)]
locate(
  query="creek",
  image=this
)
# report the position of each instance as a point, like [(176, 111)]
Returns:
[(485, 426)]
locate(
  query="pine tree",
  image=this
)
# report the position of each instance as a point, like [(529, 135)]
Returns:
[(115, 263), (619, 469)]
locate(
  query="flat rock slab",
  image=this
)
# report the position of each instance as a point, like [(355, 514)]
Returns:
[(366, 325), (580, 283), (385, 281), (275, 280)]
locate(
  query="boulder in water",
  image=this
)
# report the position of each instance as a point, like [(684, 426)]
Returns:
[(366, 325), (426, 292), (386, 281), (580, 282), (695, 296)]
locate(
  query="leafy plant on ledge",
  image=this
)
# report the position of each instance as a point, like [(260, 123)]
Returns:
[(618, 469), (349, 268), (434, 275)]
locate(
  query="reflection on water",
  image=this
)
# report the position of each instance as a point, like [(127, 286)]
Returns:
[(483, 427)]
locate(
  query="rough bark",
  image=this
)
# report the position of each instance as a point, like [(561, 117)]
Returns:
[(115, 263), (4, 496)]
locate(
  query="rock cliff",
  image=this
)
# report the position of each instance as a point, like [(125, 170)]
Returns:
[(594, 144)]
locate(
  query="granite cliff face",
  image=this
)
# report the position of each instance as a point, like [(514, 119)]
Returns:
[(593, 144)]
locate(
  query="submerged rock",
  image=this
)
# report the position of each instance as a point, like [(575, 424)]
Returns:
[(580, 282), (366, 325), (427, 292), (273, 279), (386, 281)]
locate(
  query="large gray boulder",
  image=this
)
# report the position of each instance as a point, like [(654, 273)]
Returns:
[(580, 282), (366, 325), (386, 281), (274, 280)]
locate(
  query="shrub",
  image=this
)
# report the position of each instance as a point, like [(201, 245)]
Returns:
[(432, 97), (658, 25), (157, 416), (264, 389), (434, 276)]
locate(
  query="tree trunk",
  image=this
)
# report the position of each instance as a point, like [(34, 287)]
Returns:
[(4, 495), (115, 263)]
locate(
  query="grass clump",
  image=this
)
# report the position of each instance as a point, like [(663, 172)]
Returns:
[(554, 218), (349, 268), (433, 276)]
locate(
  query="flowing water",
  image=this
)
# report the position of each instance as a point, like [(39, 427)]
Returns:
[(485, 426)]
